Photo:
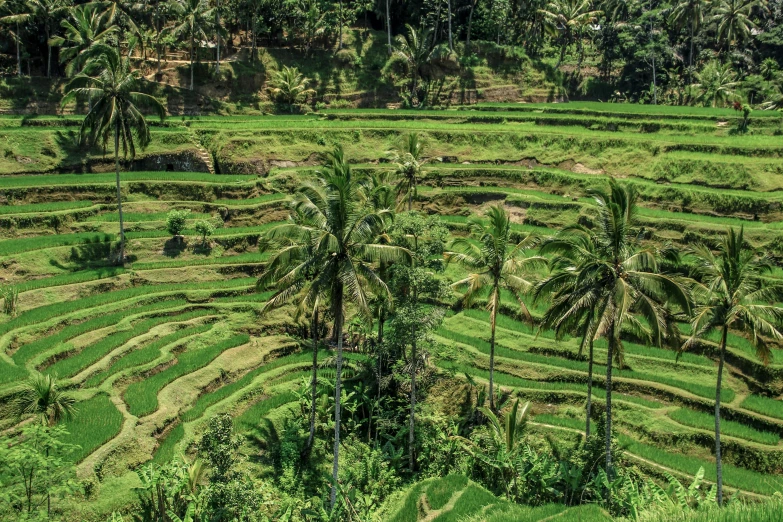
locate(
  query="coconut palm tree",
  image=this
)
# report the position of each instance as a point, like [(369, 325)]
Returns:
[(615, 282), (496, 263), (49, 12), (733, 295), (733, 20), (716, 84), (15, 14), (416, 51), (407, 159), (110, 83), (194, 20), (339, 230), (690, 12), (290, 86), (569, 18), (40, 395), (84, 31)]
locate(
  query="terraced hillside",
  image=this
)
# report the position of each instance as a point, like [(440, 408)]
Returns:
[(154, 348)]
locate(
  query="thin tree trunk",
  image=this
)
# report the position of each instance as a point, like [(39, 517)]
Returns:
[(690, 59), (18, 52), (253, 47), (410, 189), (608, 449), (718, 463), (313, 384), (412, 419), (121, 258), (338, 327), (340, 22), (451, 41), (217, 37), (493, 322), (437, 24), (48, 55), (191, 62), (470, 24), (388, 26), (589, 407)]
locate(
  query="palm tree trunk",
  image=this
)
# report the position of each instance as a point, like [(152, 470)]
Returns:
[(121, 258), (381, 320), (492, 356), (253, 47), (470, 24), (690, 59), (608, 448), (48, 55), (388, 26), (313, 383), (18, 53), (410, 191), (217, 37), (589, 406), (191, 61), (338, 329), (451, 42), (718, 463), (340, 28), (412, 419)]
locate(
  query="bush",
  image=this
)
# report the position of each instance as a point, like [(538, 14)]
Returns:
[(175, 221), (205, 228)]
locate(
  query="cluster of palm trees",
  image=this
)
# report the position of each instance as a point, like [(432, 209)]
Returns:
[(604, 282)]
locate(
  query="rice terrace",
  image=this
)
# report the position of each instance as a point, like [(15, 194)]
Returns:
[(431, 261)]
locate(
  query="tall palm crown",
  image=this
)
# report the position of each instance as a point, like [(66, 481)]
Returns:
[(337, 232), (569, 17), (110, 83), (496, 263), (733, 295), (416, 51), (609, 278), (195, 19), (84, 31), (690, 13), (290, 86), (717, 84), (733, 20), (408, 160), (41, 396)]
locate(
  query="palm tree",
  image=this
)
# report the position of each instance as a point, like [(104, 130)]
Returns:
[(194, 20), (569, 17), (41, 396), (407, 159), (290, 86), (49, 12), (733, 295), (81, 34), (115, 110), (716, 84), (338, 231), (416, 50), (496, 264), (733, 20), (17, 14), (117, 12), (608, 278), (689, 12)]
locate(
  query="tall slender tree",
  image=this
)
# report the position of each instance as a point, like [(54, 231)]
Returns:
[(83, 31), (568, 19), (616, 281), (341, 228), (194, 20), (733, 20), (690, 13), (496, 263), (49, 12), (408, 158), (417, 51), (110, 83), (733, 295)]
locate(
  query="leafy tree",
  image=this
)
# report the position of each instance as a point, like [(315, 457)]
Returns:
[(83, 32), (290, 86), (35, 468), (416, 51), (109, 81), (408, 160), (690, 13), (41, 396), (496, 263), (17, 13), (733, 294), (341, 229), (194, 20), (176, 221), (569, 18), (733, 20), (716, 84), (619, 281), (205, 228)]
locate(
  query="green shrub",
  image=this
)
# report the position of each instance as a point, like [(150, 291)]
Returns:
[(175, 221)]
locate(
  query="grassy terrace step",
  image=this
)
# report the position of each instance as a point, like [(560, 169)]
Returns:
[(73, 364), (733, 476), (147, 353), (764, 405), (44, 207), (97, 421), (9, 182), (82, 276), (140, 217), (142, 396), (239, 259), (705, 421)]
